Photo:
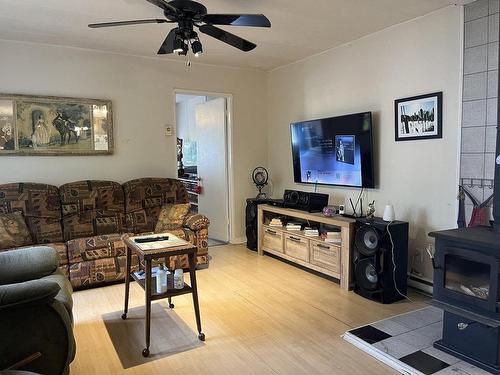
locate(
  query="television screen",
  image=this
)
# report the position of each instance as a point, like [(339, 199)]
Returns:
[(334, 151)]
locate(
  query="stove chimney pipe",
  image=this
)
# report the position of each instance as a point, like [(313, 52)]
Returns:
[(496, 198)]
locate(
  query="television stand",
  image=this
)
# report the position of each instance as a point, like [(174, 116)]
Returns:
[(334, 260)]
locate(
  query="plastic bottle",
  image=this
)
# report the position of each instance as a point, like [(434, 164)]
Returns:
[(161, 280), (179, 278)]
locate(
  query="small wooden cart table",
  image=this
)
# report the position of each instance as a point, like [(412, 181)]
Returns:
[(147, 256)]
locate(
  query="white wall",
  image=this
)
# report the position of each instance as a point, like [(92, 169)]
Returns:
[(421, 56), (143, 103)]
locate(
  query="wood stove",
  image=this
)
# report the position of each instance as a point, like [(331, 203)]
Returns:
[(466, 287)]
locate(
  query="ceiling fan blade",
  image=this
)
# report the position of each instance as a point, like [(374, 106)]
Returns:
[(255, 20), (163, 5), (228, 38), (125, 23), (168, 44)]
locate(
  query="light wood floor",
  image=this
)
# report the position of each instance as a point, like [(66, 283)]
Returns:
[(260, 316)]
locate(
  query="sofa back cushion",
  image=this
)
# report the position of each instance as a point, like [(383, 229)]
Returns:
[(13, 231), (92, 208), (40, 205), (144, 198)]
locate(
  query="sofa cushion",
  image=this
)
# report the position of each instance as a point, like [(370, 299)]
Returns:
[(97, 247), (142, 221), (90, 195), (14, 231), (171, 217), (99, 271), (93, 223), (144, 198), (40, 205), (92, 208), (196, 222)]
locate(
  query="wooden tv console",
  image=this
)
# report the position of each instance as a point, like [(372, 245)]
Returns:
[(310, 252)]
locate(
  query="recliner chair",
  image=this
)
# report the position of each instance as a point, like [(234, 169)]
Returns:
[(35, 311)]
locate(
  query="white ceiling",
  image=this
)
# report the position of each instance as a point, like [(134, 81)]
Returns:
[(299, 28)]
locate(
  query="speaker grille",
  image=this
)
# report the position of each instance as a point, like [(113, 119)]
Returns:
[(367, 240), (366, 274)]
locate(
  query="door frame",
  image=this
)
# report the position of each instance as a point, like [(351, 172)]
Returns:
[(229, 147)]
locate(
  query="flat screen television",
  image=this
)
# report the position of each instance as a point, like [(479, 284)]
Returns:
[(334, 151)]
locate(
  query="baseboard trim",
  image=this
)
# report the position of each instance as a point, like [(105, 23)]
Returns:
[(420, 283), (238, 240)]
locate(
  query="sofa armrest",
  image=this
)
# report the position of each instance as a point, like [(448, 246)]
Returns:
[(27, 264), (27, 293), (196, 222)]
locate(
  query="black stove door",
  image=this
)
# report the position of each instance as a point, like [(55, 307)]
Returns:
[(468, 279)]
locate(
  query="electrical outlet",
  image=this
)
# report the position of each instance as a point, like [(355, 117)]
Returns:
[(169, 130)]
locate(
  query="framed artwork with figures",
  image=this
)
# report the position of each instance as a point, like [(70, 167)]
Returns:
[(47, 125), (419, 117)]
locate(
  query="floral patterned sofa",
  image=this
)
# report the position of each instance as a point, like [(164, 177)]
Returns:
[(84, 221)]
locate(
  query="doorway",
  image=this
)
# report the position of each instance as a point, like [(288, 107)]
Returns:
[(202, 157)]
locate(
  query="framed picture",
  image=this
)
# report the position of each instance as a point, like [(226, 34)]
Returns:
[(47, 125), (419, 117)]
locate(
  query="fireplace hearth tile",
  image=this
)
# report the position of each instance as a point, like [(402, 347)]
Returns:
[(401, 353), (452, 370), (395, 347), (424, 362), (370, 334), (391, 327), (445, 357), (433, 331), (417, 340), (470, 369), (414, 321)]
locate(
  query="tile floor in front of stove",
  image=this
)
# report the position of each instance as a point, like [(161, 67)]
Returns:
[(409, 338)]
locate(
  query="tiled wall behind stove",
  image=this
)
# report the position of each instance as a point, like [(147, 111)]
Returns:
[(480, 98)]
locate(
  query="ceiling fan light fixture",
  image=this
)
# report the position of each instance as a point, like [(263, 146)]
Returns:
[(197, 48), (178, 44), (188, 14)]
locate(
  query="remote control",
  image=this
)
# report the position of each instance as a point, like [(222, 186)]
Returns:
[(151, 239)]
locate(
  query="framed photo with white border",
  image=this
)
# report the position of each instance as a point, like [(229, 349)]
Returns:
[(419, 117)]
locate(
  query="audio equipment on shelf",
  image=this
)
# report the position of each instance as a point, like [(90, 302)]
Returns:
[(251, 221), (380, 259), (301, 200), (275, 202)]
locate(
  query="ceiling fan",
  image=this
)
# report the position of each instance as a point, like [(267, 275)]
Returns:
[(189, 14)]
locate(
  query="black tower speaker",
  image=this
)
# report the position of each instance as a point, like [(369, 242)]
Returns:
[(380, 266), (251, 221)]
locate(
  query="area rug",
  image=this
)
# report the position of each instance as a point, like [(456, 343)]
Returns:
[(169, 334), (404, 342)]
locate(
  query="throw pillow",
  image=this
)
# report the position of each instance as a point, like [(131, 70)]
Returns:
[(13, 231), (171, 217)]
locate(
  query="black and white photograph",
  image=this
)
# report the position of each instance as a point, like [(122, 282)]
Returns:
[(419, 117), (344, 148)]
